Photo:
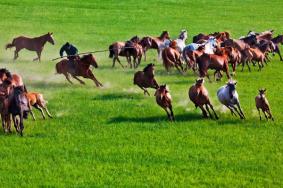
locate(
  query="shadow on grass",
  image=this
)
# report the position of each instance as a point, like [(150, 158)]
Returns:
[(154, 119), (118, 96), (49, 85)]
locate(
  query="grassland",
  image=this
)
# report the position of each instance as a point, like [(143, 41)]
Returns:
[(116, 136)]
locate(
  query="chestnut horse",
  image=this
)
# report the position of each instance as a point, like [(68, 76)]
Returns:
[(216, 62), (32, 44), (171, 57), (82, 69), (133, 48)]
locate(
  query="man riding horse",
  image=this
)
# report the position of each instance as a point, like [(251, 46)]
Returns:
[(71, 52)]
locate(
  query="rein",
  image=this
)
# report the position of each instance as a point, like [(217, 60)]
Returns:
[(92, 52)]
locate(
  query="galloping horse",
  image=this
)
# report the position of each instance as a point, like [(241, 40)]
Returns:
[(32, 44), (81, 69), (220, 36), (276, 41)]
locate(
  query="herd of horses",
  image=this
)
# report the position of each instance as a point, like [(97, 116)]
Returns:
[(213, 51)]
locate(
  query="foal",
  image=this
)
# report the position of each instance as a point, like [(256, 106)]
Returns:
[(164, 100), (145, 79), (262, 103), (198, 94), (36, 100)]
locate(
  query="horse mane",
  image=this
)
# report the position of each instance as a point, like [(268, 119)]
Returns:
[(147, 67), (6, 71), (84, 58), (163, 33)]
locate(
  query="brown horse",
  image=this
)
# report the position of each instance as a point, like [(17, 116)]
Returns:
[(32, 44), (198, 94), (118, 49), (216, 62), (5, 88), (155, 42), (164, 100), (82, 68), (171, 57), (134, 49), (145, 79), (276, 41)]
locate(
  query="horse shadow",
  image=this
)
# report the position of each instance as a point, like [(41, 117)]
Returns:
[(118, 96), (48, 85), (153, 119)]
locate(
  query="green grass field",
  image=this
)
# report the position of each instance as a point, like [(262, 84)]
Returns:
[(116, 136)]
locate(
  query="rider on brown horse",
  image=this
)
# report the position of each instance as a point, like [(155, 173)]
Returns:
[(71, 52)]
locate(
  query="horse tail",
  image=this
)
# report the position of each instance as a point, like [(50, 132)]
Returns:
[(111, 51), (58, 68), (10, 45)]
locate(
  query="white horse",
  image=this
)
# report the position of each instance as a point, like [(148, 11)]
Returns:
[(229, 97), (180, 42)]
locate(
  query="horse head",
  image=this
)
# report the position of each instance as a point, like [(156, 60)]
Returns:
[(262, 92), (89, 59), (199, 81), (4, 74), (135, 39), (164, 35), (231, 85), (183, 35), (146, 42), (50, 38), (149, 69)]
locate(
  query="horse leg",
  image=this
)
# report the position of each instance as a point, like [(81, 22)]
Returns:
[(15, 122), (259, 113), (40, 109), (204, 113), (172, 114), (120, 62), (48, 113), (3, 122), (82, 82), (92, 77), (168, 114), (239, 106), (21, 123), (68, 77), (32, 114), (8, 120), (16, 53), (38, 56), (210, 105), (207, 109), (270, 115), (231, 109), (259, 65), (144, 90), (278, 51), (265, 114)]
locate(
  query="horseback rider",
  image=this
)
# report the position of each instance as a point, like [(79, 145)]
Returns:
[(71, 52)]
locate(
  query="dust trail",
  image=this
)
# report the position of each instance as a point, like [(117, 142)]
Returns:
[(131, 90)]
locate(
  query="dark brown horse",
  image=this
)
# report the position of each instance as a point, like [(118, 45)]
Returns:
[(32, 44), (16, 79), (171, 57), (135, 50), (145, 79), (82, 68), (276, 41), (216, 62)]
